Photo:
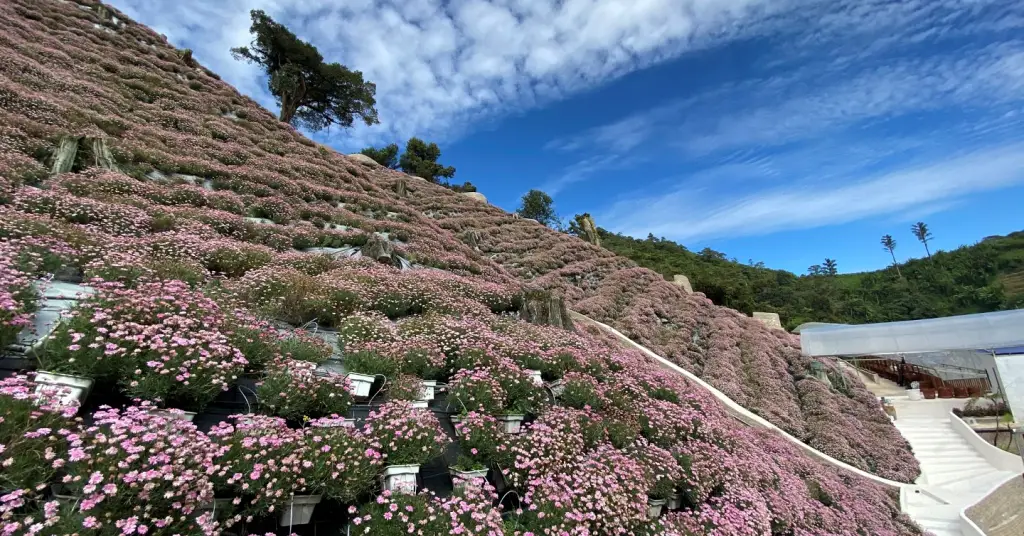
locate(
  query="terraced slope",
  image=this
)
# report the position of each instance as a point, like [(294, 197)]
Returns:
[(204, 227)]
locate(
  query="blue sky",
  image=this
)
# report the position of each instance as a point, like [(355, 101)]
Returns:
[(782, 131)]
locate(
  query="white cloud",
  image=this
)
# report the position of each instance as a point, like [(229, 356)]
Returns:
[(686, 214), (440, 65)]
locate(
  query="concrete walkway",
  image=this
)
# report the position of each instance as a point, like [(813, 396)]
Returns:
[(951, 467)]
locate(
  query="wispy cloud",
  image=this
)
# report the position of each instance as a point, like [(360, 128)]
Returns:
[(439, 65), (687, 214)]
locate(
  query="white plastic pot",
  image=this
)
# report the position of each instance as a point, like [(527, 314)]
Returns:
[(914, 394), (675, 501), (74, 388), (429, 386), (401, 478), (462, 479), (300, 510), (361, 383), (535, 375), (654, 507), (174, 414), (513, 423), (419, 404)]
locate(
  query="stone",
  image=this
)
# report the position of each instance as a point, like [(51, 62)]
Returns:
[(378, 249), (64, 158), (682, 282), (545, 308), (769, 319), (261, 221), (472, 239), (101, 154), (476, 196), (365, 160), (588, 231)]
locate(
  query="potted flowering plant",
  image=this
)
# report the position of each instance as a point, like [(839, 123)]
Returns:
[(111, 467), (344, 466), (406, 437), (34, 426), (467, 511), (263, 463), (408, 388), (522, 396), (294, 389), (479, 438), (660, 472)]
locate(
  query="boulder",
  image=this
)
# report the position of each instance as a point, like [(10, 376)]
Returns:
[(378, 248), (682, 282), (365, 160), (769, 319), (472, 239), (476, 196), (588, 231), (545, 308)]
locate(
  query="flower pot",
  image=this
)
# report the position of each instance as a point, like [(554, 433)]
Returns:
[(675, 501), (218, 505), (513, 423), (462, 479), (75, 388), (456, 419), (429, 386), (654, 507), (945, 392), (535, 376), (928, 393), (557, 388), (361, 383), (174, 414), (961, 392), (419, 404), (299, 510), (401, 478)]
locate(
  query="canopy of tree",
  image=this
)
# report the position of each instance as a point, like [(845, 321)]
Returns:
[(987, 276), (420, 159), (311, 93), (539, 206), (386, 156)]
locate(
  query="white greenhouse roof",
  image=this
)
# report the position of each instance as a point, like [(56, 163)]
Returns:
[(968, 332)]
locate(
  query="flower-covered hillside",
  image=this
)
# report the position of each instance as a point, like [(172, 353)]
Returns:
[(212, 251), (759, 367)]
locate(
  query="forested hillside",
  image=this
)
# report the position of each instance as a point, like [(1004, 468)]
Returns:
[(987, 276)]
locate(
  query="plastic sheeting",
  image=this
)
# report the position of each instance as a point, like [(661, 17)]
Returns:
[(968, 332)]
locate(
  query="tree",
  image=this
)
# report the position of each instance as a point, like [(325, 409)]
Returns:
[(420, 159), (890, 245), (815, 269), (830, 266), (539, 206), (920, 230), (310, 92), (387, 156)]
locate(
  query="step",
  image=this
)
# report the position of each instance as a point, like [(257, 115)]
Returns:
[(977, 483)]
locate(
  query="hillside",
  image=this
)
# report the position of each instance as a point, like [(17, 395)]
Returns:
[(983, 277), (230, 265)]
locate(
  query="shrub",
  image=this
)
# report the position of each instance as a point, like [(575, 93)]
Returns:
[(480, 439), (343, 468), (476, 390), (293, 390), (34, 427), (405, 435), (17, 296)]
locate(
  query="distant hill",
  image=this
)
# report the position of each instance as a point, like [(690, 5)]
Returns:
[(987, 276)]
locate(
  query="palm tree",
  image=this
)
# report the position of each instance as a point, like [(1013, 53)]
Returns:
[(831, 268), (890, 245), (920, 230)]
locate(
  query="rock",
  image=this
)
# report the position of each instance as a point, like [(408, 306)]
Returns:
[(365, 160), (402, 188), (769, 319), (547, 309), (472, 239), (378, 249), (261, 221), (476, 196), (682, 282), (101, 154), (64, 158), (588, 231)]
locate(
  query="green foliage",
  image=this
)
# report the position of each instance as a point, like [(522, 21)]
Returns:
[(311, 93), (387, 156), (539, 206), (987, 276), (420, 159)]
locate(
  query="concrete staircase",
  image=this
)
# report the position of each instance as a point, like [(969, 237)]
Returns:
[(950, 467)]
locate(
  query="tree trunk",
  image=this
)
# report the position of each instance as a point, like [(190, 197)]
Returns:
[(288, 108), (895, 264), (402, 188), (546, 309), (926, 250), (102, 155)]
